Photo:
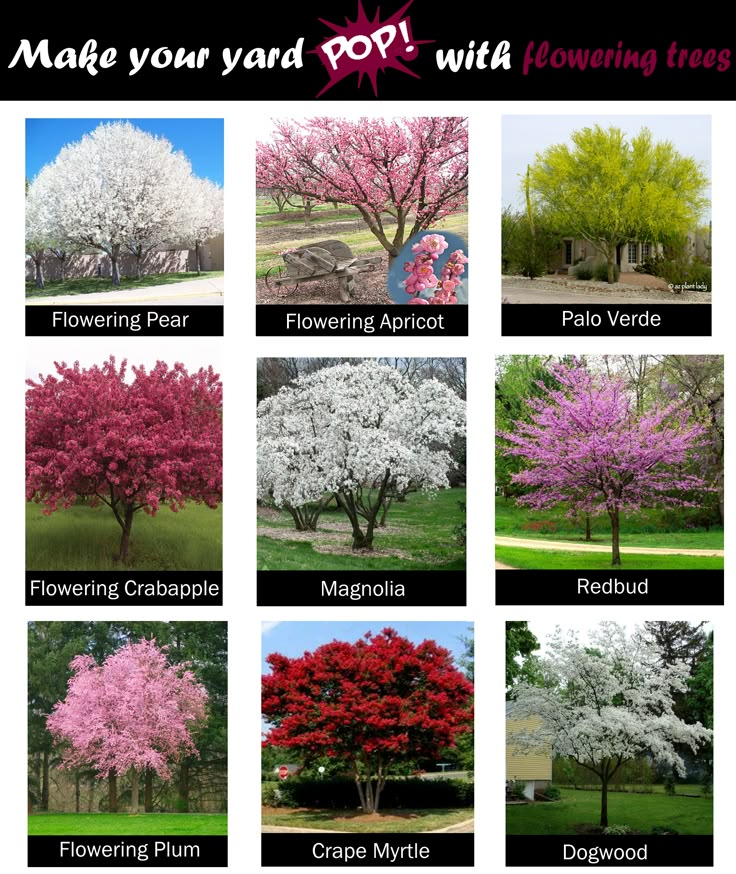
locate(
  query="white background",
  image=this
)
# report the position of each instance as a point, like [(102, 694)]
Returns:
[(239, 353)]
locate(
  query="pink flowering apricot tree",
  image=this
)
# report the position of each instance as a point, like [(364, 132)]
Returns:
[(133, 444), (414, 170), (135, 711), (587, 446), (422, 283)]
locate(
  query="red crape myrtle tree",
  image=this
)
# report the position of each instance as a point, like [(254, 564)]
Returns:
[(134, 712), (373, 704), (133, 444), (403, 176), (587, 447)]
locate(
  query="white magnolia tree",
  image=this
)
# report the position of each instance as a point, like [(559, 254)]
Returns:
[(118, 188), (205, 215), (362, 433), (607, 703)]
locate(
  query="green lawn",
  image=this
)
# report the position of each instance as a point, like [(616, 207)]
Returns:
[(90, 284), (404, 820), (542, 559), (687, 816), (86, 538), (123, 824), (647, 528), (425, 536)]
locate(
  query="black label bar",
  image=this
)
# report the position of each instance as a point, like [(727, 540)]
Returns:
[(128, 588), (603, 850), (656, 587), (124, 320), (353, 850), (358, 588), (600, 319), (80, 851), (323, 320)]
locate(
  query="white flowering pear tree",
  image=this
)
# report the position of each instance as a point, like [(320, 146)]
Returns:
[(118, 188), (606, 704), (362, 433), (205, 215), (38, 229)]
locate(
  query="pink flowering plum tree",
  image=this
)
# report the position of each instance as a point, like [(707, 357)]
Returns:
[(134, 712), (361, 432), (605, 704), (586, 445), (132, 442), (413, 171)]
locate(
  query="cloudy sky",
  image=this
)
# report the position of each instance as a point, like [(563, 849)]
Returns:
[(525, 135)]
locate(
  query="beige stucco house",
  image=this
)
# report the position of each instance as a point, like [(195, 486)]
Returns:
[(534, 769)]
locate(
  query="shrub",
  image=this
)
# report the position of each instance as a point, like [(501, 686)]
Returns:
[(600, 272), (460, 531), (516, 789), (341, 794), (272, 796), (583, 271), (707, 787), (669, 784), (617, 830), (552, 793)]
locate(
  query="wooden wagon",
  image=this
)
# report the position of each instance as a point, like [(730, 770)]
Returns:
[(320, 261)]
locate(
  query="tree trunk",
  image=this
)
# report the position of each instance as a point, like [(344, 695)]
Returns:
[(308, 206), (112, 793), (587, 526), (198, 257), (125, 537), (138, 267), (114, 255), (62, 269), (148, 792), (45, 782), (77, 791), (611, 264), (39, 272), (386, 508), (604, 803), (184, 787), (134, 775), (615, 551)]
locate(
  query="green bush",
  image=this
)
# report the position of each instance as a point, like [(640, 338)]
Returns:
[(616, 830), (341, 793), (552, 792), (600, 272), (583, 271), (669, 785)]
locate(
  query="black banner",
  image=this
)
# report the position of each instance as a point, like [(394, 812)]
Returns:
[(358, 588), (124, 319), (480, 57), (346, 850), (631, 850), (324, 320), (655, 587), (80, 851), (127, 588), (599, 319)]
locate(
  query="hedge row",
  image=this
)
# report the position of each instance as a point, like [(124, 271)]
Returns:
[(341, 793)]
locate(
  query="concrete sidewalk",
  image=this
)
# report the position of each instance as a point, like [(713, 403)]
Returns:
[(192, 292)]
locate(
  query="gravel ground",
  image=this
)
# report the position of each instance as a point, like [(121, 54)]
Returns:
[(643, 286)]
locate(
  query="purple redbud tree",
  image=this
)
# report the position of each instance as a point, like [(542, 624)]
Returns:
[(588, 447)]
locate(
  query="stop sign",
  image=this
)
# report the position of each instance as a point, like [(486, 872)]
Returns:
[(283, 772)]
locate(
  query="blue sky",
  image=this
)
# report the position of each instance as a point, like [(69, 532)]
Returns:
[(201, 140), (293, 638), (525, 135)]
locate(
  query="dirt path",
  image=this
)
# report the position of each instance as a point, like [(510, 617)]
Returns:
[(566, 546), (467, 825), (633, 288), (504, 567)]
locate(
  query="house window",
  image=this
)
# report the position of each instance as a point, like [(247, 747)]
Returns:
[(568, 251), (644, 251), (632, 253)]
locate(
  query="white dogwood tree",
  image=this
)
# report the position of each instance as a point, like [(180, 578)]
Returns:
[(605, 704), (361, 432)]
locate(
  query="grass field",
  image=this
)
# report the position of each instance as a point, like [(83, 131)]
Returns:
[(90, 284), (541, 559), (86, 538), (404, 820), (123, 824), (421, 530), (687, 816)]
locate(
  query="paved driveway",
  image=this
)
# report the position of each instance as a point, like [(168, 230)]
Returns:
[(194, 292)]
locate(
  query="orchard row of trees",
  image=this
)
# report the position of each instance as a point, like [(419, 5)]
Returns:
[(117, 706), (402, 175), (611, 434), (379, 707), (622, 698), (360, 432), (607, 188), (119, 189)]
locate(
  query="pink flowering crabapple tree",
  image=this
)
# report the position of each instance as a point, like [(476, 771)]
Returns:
[(413, 170), (586, 446), (606, 704), (422, 283), (134, 712), (362, 433), (132, 444)]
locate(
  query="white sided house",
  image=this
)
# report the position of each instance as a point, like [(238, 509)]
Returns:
[(533, 769)]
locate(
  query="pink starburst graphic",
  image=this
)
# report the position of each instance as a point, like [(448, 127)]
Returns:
[(367, 47)]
